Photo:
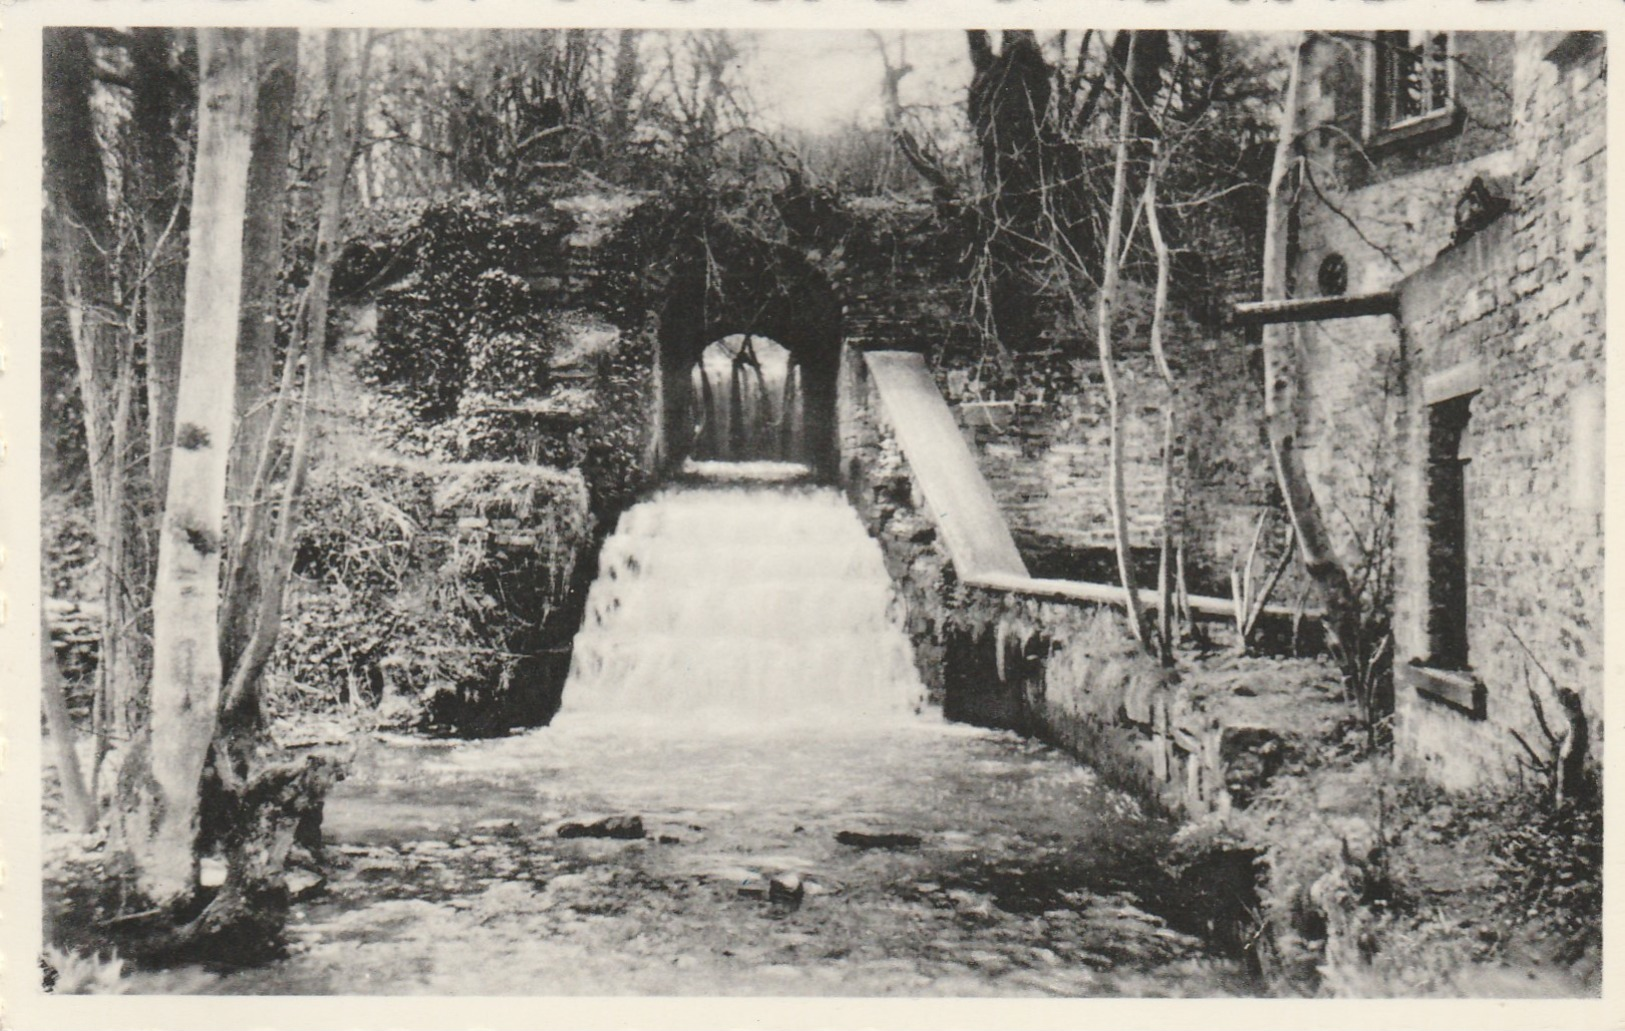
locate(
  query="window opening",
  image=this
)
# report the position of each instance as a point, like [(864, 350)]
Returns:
[(1413, 77), (1447, 541), (1333, 277)]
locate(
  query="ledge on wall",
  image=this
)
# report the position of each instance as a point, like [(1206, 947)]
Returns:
[(1454, 689), (1435, 123)]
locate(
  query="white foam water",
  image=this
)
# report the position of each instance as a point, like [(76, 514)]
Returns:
[(744, 605)]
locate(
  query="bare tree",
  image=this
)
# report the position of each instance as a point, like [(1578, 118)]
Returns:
[(1282, 387), (159, 103), (260, 404), (1105, 307), (186, 649), (311, 344), (87, 257)]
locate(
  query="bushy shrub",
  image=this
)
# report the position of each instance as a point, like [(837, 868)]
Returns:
[(432, 586), (1550, 861)]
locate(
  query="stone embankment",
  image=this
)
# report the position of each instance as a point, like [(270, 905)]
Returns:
[(1051, 658)]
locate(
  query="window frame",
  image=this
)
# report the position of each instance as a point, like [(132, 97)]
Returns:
[(1378, 86)]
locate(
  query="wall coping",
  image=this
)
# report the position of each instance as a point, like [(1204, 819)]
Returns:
[(1111, 594), (957, 496)]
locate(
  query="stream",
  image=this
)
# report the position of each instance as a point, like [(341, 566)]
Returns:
[(744, 794), (1029, 877)]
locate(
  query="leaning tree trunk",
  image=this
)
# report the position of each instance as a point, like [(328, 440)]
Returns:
[(1283, 373), (186, 649), (1170, 439), (1108, 362), (156, 96), (276, 559)]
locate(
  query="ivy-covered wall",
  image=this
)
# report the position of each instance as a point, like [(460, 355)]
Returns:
[(437, 593), (487, 419)]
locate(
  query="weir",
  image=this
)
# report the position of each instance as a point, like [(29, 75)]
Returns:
[(739, 599)]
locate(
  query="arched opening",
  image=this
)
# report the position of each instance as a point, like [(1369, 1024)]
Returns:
[(748, 364), (747, 403)]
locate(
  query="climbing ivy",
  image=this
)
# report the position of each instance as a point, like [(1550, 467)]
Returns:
[(431, 590), (461, 271)]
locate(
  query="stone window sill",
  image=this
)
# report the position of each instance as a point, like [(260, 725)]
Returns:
[(1435, 123), (1458, 690)]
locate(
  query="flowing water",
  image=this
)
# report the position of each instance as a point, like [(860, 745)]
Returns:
[(741, 604), (742, 688), (750, 403)]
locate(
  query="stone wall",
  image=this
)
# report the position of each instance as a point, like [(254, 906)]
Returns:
[(878, 483), (1063, 670), (1047, 462), (1512, 316), (1386, 210)]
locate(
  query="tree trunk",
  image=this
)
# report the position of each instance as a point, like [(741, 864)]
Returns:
[(256, 336), (1108, 362), (186, 650), (240, 702), (1282, 386), (76, 800), (161, 175), (623, 90), (80, 224), (1170, 440)]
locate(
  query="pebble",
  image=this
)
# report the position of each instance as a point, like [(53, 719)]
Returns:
[(621, 827), (786, 887)]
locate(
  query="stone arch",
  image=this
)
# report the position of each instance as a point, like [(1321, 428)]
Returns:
[(784, 300)]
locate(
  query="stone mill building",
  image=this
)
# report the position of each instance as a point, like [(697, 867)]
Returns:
[(1454, 184)]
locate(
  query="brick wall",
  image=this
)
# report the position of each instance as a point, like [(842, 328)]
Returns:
[(1387, 211), (1047, 463), (1517, 314), (1513, 316)]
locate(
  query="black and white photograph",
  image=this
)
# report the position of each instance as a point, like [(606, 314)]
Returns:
[(808, 511)]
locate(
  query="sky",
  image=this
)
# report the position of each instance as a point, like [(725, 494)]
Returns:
[(817, 81)]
